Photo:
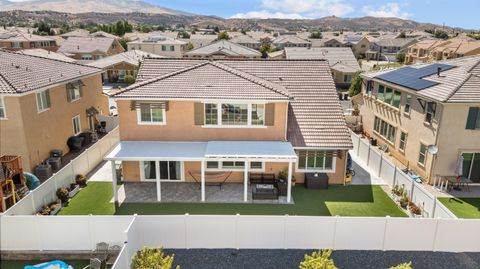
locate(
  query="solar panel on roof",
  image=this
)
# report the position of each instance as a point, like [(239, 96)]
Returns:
[(412, 78)]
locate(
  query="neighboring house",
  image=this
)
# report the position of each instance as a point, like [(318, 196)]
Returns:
[(47, 54), (190, 116), (43, 102), (76, 33), (223, 49), (386, 49), (410, 108), (160, 45), (290, 41), (333, 43), (434, 50), (17, 40), (359, 44), (88, 49), (246, 41), (342, 62), (118, 66)]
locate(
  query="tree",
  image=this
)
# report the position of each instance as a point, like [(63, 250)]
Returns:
[(440, 34), (402, 35), (400, 57), (123, 41), (407, 265), (223, 36), (189, 46), (184, 34), (264, 49), (145, 29), (356, 85), (152, 258), (318, 260), (316, 35), (216, 29)]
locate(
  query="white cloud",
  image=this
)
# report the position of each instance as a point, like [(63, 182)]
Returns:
[(387, 10), (297, 9), (264, 14)]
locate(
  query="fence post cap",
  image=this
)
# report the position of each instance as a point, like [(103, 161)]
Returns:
[(238, 214), (186, 214)]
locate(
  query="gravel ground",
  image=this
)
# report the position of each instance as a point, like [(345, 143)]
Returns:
[(290, 259)]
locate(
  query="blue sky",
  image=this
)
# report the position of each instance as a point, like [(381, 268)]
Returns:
[(458, 13)]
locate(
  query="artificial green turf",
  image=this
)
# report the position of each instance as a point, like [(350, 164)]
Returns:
[(337, 200), (20, 264), (468, 208)]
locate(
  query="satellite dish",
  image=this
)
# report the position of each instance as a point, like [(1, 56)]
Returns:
[(432, 149)]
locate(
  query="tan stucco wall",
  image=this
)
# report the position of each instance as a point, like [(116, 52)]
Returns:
[(49, 129), (413, 125), (180, 126), (157, 49), (131, 171), (454, 138)]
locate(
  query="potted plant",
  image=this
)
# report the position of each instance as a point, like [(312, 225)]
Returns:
[(414, 210), (73, 190), (283, 176), (62, 194), (55, 207), (404, 200), (45, 211), (81, 180)]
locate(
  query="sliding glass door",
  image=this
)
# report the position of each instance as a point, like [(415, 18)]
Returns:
[(169, 170), (471, 166)]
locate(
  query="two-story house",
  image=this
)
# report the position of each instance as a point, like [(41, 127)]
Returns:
[(187, 117), (43, 102), (88, 49), (386, 49), (17, 40), (411, 108), (160, 45)]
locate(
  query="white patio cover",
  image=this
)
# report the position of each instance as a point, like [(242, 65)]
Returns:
[(178, 151)]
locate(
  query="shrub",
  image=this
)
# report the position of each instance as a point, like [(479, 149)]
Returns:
[(318, 260), (283, 175), (356, 85), (400, 57), (129, 79), (152, 258), (81, 180), (407, 265), (223, 36), (62, 194), (315, 35)]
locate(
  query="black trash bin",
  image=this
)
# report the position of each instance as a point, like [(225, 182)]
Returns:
[(282, 187)]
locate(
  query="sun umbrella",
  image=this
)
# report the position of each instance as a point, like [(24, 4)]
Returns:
[(459, 167)]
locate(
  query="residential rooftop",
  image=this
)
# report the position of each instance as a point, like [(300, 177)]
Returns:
[(224, 47), (20, 73), (132, 57), (315, 117), (342, 59), (159, 39), (47, 54), (86, 44), (459, 84)]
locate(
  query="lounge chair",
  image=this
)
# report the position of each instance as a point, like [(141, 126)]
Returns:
[(221, 176)]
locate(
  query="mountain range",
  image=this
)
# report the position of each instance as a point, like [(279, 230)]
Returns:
[(140, 12)]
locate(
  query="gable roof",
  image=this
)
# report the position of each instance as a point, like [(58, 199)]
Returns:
[(208, 80), (244, 39), (283, 39), (21, 73), (315, 117), (131, 57), (459, 84), (224, 47), (334, 56), (47, 54), (159, 40), (86, 44), (395, 42)]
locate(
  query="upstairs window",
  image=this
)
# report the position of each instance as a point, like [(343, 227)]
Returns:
[(74, 91), (258, 114), (43, 100), (3, 113), (473, 119), (381, 93), (384, 129), (369, 87), (234, 114), (76, 125), (430, 112), (347, 78), (86, 57), (408, 104), (422, 155), (147, 114), (389, 96)]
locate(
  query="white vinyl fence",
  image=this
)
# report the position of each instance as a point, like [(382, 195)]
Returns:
[(392, 175), (84, 163), (237, 232)]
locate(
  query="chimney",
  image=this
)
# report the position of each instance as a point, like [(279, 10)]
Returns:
[(439, 70)]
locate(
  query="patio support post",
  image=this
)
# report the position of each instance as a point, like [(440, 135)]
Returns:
[(157, 177), (203, 180), (114, 181), (245, 181), (289, 182)]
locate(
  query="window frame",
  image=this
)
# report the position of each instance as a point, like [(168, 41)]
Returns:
[(432, 113), (408, 103), (219, 121), (41, 106), (222, 167), (141, 122), (79, 122), (142, 171), (3, 108), (384, 129), (74, 89), (424, 154), (403, 141), (316, 170)]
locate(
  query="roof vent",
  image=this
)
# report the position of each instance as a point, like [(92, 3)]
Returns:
[(439, 71)]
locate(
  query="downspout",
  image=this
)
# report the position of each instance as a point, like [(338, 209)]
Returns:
[(434, 159)]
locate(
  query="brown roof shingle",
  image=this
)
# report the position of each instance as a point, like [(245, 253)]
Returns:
[(315, 116), (20, 73)]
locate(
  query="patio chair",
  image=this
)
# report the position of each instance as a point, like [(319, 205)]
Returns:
[(101, 252), (94, 264), (196, 175)]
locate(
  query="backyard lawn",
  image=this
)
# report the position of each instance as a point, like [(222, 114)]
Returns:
[(468, 208), (337, 200)]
